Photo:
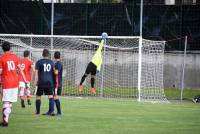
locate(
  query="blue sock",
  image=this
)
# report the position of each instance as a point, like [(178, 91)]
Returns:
[(51, 105), (38, 103), (57, 101)]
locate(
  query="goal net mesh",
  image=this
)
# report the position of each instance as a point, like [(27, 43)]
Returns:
[(118, 77)]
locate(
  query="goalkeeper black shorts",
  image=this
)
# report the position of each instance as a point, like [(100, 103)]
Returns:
[(91, 68)]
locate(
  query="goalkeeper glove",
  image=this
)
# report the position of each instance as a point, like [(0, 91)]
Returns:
[(98, 72), (104, 36)]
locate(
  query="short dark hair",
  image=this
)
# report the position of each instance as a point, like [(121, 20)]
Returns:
[(45, 53), (26, 53), (57, 55), (6, 46)]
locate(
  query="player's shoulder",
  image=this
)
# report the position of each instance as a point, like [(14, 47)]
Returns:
[(58, 63), (10, 55), (39, 61), (28, 60), (14, 55), (48, 61)]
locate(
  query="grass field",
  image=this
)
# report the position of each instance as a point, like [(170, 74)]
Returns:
[(95, 116)]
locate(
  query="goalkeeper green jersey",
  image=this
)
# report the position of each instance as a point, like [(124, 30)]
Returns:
[(97, 58)]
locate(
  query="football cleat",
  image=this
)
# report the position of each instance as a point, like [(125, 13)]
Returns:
[(93, 90), (22, 104), (80, 88)]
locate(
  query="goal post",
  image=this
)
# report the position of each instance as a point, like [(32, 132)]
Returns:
[(119, 76)]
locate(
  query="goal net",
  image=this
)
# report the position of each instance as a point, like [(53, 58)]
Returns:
[(118, 77)]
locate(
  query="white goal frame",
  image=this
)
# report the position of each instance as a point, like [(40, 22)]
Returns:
[(15, 39)]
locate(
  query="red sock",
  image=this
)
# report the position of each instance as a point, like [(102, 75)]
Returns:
[(28, 98), (22, 97)]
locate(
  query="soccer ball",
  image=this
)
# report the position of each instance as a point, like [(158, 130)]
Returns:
[(104, 35)]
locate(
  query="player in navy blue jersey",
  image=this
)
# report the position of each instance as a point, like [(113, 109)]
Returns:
[(44, 78), (58, 81)]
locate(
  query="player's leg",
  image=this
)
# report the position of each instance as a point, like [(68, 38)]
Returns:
[(9, 96), (38, 104), (21, 93), (87, 71), (6, 113), (82, 80), (39, 93), (57, 101), (28, 96), (28, 93), (93, 75), (92, 84), (49, 92)]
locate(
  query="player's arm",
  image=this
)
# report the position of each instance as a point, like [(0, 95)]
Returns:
[(99, 67), (33, 70), (37, 66), (56, 74), (104, 36), (33, 67), (36, 77), (1, 70), (1, 66), (1, 90), (19, 68)]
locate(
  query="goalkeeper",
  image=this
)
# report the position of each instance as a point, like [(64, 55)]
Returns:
[(95, 64)]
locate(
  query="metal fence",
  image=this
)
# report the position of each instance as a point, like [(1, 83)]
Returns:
[(160, 22)]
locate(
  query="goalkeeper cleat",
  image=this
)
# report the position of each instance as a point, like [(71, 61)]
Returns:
[(80, 88), (22, 104), (93, 90)]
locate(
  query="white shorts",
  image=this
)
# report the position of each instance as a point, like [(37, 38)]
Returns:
[(10, 95), (22, 84)]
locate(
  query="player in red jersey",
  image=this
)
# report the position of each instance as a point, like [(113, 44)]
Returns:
[(9, 65), (26, 65)]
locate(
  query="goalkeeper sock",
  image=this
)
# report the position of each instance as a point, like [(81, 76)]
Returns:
[(38, 103), (51, 105), (57, 101), (83, 79), (92, 82)]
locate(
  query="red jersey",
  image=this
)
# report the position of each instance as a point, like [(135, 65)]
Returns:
[(9, 76), (26, 64)]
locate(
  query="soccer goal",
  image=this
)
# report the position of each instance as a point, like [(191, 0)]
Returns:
[(119, 74)]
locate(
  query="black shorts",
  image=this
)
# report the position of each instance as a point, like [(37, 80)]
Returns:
[(59, 91), (44, 91), (91, 68)]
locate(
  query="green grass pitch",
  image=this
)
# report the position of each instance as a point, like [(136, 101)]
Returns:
[(96, 116)]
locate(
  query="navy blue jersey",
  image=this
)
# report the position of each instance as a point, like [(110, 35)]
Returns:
[(59, 67), (45, 69)]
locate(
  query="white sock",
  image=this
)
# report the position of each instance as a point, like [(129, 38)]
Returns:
[(6, 111), (21, 92)]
